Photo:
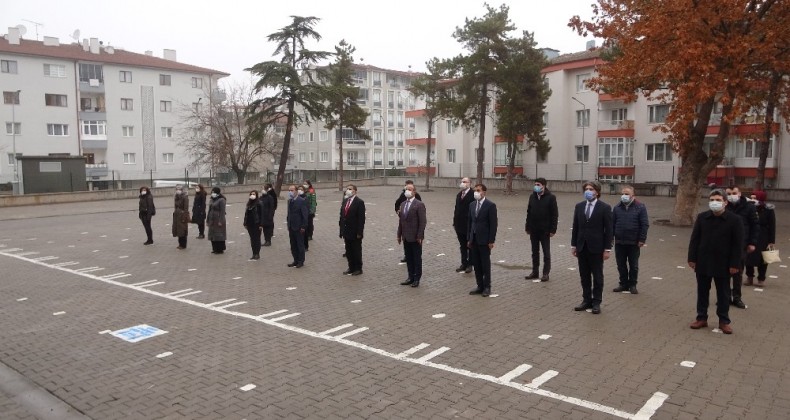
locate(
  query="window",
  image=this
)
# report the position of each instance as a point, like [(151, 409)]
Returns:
[(377, 157), (324, 156), (579, 150), (616, 178), (450, 127), (501, 157), (376, 98), (658, 113), (128, 159), (167, 158), (86, 104), (51, 99), (165, 106), (164, 80), (390, 157), (55, 70), (376, 118), (615, 151), (58, 130), (750, 148), (128, 130), (412, 157), (8, 66), (17, 128), (411, 122), (94, 128), (377, 137), (400, 120), (658, 152), (310, 138), (583, 118), (391, 138), (323, 135), (581, 82), (619, 115), (127, 104), (450, 155), (400, 138), (197, 82), (400, 102), (300, 137), (351, 134), (90, 72), (390, 119), (10, 98), (302, 157), (363, 96), (400, 157), (11, 160), (312, 156), (376, 79), (125, 76), (390, 99), (167, 132)]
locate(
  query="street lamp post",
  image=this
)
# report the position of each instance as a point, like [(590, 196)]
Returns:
[(584, 122), (13, 140)]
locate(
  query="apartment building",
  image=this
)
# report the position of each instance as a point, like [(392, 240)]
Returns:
[(121, 110)]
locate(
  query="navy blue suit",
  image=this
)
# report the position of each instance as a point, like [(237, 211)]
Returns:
[(297, 223), (591, 237), (481, 232)]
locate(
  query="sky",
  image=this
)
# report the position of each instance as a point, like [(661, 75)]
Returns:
[(231, 36)]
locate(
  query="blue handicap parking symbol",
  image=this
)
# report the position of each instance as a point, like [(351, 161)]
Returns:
[(138, 333)]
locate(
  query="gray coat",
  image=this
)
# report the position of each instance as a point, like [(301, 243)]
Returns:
[(180, 226), (217, 228)]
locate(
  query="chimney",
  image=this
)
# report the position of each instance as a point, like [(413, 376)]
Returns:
[(109, 50), (51, 41), (94, 46), (590, 44), (149, 53), (169, 55), (85, 45), (13, 35)]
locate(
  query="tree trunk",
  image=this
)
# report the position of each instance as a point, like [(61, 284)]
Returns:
[(241, 175), (511, 154), (687, 199), (340, 141), (759, 182), (278, 183), (482, 135), (428, 157)]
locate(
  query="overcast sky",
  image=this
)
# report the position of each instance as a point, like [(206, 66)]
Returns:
[(231, 35)]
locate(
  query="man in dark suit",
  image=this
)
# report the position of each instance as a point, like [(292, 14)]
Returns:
[(461, 223), (541, 226), (411, 230), (297, 223), (715, 252), (481, 236), (352, 228), (591, 244), (398, 202)]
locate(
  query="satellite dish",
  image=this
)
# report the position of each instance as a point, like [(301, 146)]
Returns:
[(76, 35), (22, 29)]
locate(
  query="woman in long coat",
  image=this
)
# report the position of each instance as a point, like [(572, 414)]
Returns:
[(268, 206), (766, 237), (252, 221), (180, 226), (147, 211), (199, 210), (217, 229)]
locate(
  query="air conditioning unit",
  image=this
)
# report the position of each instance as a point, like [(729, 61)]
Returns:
[(93, 82)]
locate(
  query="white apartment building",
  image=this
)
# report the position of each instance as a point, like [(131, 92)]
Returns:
[(122, 111)]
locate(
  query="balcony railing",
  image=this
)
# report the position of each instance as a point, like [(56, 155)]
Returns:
[(352, 162), (616, 125), (96, 170)]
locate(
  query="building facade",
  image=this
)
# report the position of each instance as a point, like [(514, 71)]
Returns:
[(122, 111)]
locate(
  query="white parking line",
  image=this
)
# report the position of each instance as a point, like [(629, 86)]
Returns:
[(542, 379), (513, 374), (23, 254), (352, 332), (272, 313), (152, 284), (336, 329), (221, 302), (433, 354), (143, 282), (90, 269), (83, 270), (177, 292), (232, 304), (187, 294), (66, 264), (49, 258), (165, 354), (284, 317), (115, 276), (413, 350)]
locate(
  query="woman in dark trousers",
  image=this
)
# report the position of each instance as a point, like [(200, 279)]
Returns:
[(268, 206), (180, 226), (147, 210), (217, 230), (199, 210), (766, 237), (312, 203), (252, 221)]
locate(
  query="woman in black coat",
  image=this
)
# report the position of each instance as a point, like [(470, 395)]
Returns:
[(147, 211), (766, 237), (199, 210), (268, 206), (180, 226), (217, 228), (252, 221)]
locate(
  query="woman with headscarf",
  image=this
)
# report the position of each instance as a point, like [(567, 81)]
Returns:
[(199, 210), (147, 210), (180, 226), (766, 238), (217, 230), (252, 221)]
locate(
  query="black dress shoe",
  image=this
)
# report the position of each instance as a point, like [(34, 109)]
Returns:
[(486, 292), (738, 303), (583, 306), (476, 292), (293, 264), (403, 259), (533, 275), (460, 269), (357, 273), (406, 283), (267, 243), (300, 265), (633, 290), (347, 272), (596, 309), (469, 269), (148, 242), (620, 289), (415, 284), (545, 277)]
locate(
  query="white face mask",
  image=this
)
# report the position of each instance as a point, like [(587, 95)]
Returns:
[(197, 189), (478, 196), (306, 187), (464, 185), (253, 196), (300, 192), (349, 193), (408, 193), (733, 198), (143, 192), (214, 195), (716, 206), (263, 192), (179, 192)]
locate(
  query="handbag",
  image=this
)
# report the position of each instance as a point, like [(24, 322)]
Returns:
[(771, 255)]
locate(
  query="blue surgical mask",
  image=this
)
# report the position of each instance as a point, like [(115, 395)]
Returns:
[(625, 198), (589, 195), (537, 189), (716, 206), (291, 194)]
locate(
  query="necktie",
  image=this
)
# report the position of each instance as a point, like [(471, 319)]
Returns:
[(463, 194), (406, 210), (588, 213), (477, 210), (348, 204)]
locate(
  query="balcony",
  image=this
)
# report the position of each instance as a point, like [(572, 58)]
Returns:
[(616, 128), (92, 86), (354, 144), (93, 114), (421, 141), (96, 170), (352, 162), (94, 144)]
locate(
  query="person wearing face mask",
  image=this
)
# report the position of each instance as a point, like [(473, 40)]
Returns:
[(352, 229), (147, 211), (481, 234), (766, 237), (252, 222), (268, 205), (199, 210), (398, 202), (541, 226), (297, 224), (715, 254), (629, 218), (748, 214), (411, 231), (180, 226), (463, 199), (591, 244), (312, 204), (217, 228)]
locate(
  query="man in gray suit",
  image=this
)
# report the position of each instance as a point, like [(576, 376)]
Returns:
[(411, 230)]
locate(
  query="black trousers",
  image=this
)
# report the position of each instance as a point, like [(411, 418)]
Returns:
[(481, 260), (255, 239), (737, 280), (182, 241), (722, 297), (627, 257), (218, 246), (268, 232), (297, 245), (354, 254), (310, 226), (413, 260), (762, 269), (591, 274), (462, 241), (541, 240), (147, 226), (201, 228)]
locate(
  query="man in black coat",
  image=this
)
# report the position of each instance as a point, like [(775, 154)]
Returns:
[(715, 253), (541, 226), (591, 244), (398, 202), (748, 213), (352, 229), (630, 223), (297, 224), (483, 222), (461, 223)]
